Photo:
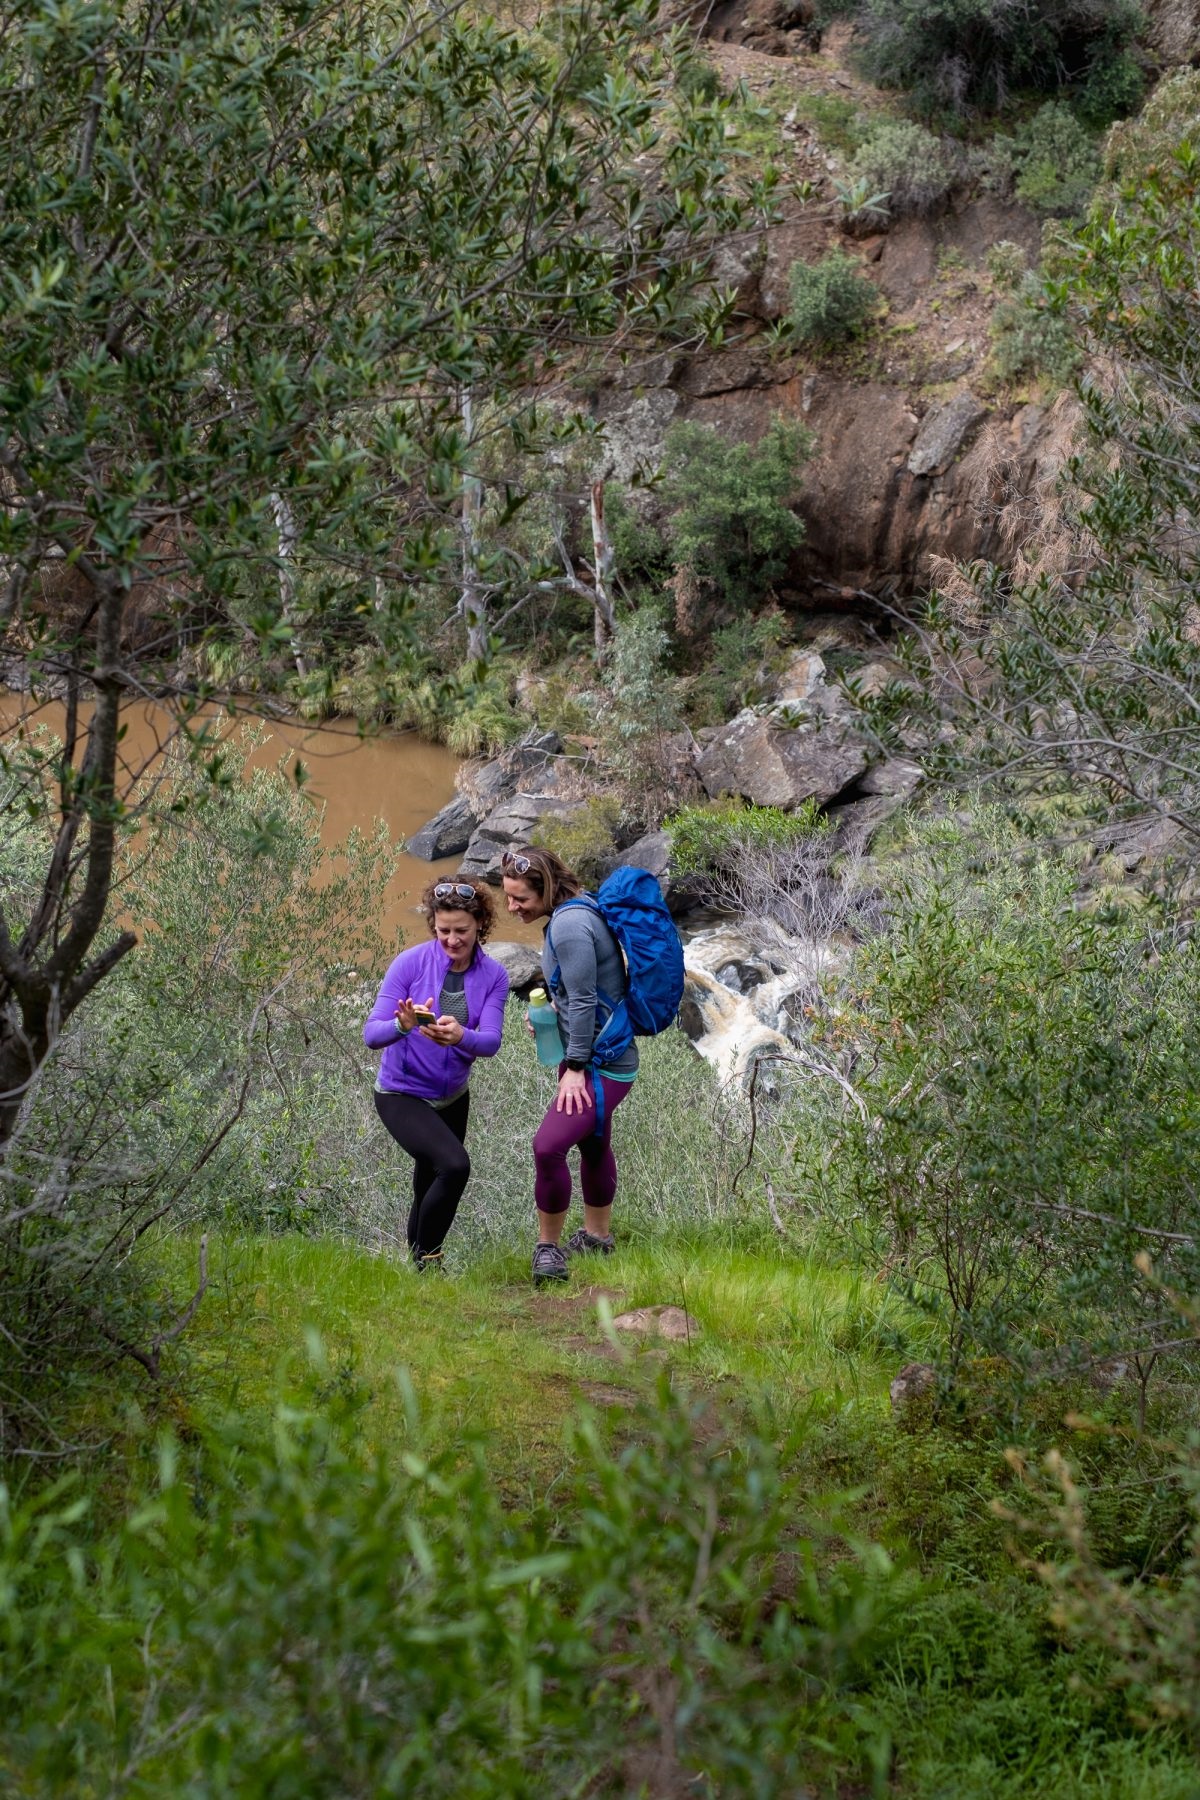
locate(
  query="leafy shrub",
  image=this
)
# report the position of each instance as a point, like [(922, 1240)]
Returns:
[(1029, 1105), (695, 76), (907, 163), (838, 122), (311, 1619), (638, 712), (729, 519), (1132, 149), (586, 839), (831, 300), (1006, 263), (1057, 162), (165, 1097), (953, 56), (1146, 1623), (1032, 336), (708, 838), (743, 657)]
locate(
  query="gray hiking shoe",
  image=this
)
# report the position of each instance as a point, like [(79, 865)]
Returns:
[(549, 1264), (583, 1242)]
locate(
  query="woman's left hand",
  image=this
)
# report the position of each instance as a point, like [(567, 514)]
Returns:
[(573, 1095), (447, 1030)]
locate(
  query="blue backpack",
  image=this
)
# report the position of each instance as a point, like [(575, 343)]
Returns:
[(631, 904)]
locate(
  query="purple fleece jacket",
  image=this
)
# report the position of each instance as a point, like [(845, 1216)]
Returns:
[(414, 1065)]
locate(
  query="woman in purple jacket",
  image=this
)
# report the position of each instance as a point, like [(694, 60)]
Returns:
[(421, 1091)]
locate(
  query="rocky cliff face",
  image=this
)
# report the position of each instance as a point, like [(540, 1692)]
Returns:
[(917, 457)]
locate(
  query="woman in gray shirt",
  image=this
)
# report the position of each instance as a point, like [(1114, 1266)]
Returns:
[(585, 977)]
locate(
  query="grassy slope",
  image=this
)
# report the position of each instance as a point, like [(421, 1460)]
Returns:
[(487, 1351), (981, 1700)]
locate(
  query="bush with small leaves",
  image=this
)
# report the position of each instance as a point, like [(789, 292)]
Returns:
[(711, 838), (729, 515), (324, 1618), (912, 167), (832, 300), (1006, 263), (1024, 1072), (586, 839), (1030, 336), (1057, 162), (956, 56)]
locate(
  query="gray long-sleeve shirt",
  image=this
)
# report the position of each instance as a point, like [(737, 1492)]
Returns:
[(588, 958)]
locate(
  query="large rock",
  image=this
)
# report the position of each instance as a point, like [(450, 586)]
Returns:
[(943, 432), (522, 961), (529, 764), (448, 832), (513, 822), (659, 1321), (774, 764), (882, 791)]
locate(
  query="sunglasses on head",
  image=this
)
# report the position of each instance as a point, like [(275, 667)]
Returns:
[(457, 890), (520, 865)]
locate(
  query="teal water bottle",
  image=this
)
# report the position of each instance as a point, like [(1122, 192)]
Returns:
[(544, 1020)]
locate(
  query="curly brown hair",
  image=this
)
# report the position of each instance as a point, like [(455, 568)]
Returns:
[(479, 903)]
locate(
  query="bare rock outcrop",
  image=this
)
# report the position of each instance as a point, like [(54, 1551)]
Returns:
[(771, 763)]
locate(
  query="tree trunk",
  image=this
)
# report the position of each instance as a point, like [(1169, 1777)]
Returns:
[(472, 605), (46, 973), (285, 526), (602, 572)]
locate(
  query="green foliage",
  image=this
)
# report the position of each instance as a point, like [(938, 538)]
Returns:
[(837, 120), (744, 656), (316, 332), (194, 1085), (288, 1612), (708, 838), (831, 300), (729, 518), (1013, 1156), (640, 549), (585, 839), (1090, 677), (638, 713), (1031, 337), (1134, 149), (907, 164), (1146, 1624), (955, 56), (1057, 162), (1006, 263)]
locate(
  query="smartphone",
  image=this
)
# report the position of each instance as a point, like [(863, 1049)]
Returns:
[(423, 1015)]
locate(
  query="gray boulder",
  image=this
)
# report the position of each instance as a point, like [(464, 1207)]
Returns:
[(511, 823), (522, 961), (652, 853), (448, 832), (882, 791), (529, 764), (771, 763), (943, 432)]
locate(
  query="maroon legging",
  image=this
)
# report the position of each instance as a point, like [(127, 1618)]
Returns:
[(560, 1132)]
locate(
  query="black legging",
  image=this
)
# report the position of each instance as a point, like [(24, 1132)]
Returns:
[(441, 1166)]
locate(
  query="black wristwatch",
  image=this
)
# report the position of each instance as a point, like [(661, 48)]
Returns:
[(576, 1066)]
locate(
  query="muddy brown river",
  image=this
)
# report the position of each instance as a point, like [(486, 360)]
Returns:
[(394, 776)]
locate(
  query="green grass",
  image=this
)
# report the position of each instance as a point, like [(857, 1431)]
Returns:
[(484, 1350)]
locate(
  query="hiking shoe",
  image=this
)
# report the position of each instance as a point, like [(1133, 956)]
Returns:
[(549, 1264), (583, 1241), (425, 1261)]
